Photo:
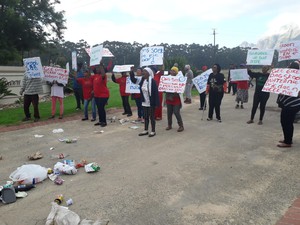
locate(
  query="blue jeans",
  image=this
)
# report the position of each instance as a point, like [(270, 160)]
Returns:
[(86, 108)]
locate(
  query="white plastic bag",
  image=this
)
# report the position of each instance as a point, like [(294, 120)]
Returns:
[(29, 174), (65, 168), (60, 215)]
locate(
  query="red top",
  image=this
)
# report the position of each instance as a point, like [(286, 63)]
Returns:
[(243, 85), (174, 101), (122, 82), (135, 95), (157, 77), (99, 86), (87, 87)]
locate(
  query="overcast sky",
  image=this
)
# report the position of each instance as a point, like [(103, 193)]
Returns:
[(177, 22)]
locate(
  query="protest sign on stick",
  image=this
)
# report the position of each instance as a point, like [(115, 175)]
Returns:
[(122, 68), (200, 81), (74, 61), (260, 57), (152, 56), (54, 73), (239, 75), (283, 81), (33, 67), (173, 84), (289, 50), (96, 55), (105, 52)]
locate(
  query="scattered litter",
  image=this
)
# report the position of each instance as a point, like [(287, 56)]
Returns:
[(35, 156), (59, 130), (58, 180), (51, 148), (29, 174), (134, 127), (38, 135), (69, 162), (98, 131), (21, 194), (59, 199), (68, 140), (59, 156), (65, 169), (122, 121), (52, 176), (81, 164), (112, 119), (63, 216), (91, 167), (69, 202)]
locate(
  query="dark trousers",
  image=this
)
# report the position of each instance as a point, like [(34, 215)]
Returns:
[(202, 99), (174, 109), (126, 105), (79, 97), (234, 87), (214, 101), (149, 116), (34, 99), (260, 99), (287, 117), (100, 103), (138, 102)]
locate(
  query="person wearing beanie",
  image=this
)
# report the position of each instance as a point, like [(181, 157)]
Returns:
[(150, 99), (215, 89), (189, 84), (289, 107), (173, 102)]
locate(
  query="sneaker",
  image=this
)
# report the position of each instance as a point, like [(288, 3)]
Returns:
[(92, 120), (83, 119), (219, 120), (26, 119), (103, 124), (250, 121), (260, 122), (209, 119), (237, 106), (97, 124), (145, 132), (242, 106), (152, 134), (201, 108), (180, 129)]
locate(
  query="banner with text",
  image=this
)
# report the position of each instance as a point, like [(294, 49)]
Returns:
[(54, 73), (96, 55), (152, 56), (200, 81), (173, 84), (290, 50), (122, 68), (131, 87), (283, 81), (74, 61), (33, 67), (239, 74), (105, 52), (260, 57)]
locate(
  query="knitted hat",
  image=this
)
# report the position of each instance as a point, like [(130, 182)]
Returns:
[(174, 68)]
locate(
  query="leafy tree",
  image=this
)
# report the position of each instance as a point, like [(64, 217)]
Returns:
[(26, 25), (4, 88)]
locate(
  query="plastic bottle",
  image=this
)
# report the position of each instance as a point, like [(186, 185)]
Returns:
[(24, 187)]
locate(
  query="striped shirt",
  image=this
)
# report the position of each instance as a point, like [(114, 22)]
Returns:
[(288, 101), (31, 86)]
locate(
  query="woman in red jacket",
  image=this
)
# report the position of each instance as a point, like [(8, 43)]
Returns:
[(125, 96), (101, 93)]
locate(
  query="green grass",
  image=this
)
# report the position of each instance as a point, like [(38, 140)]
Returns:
[(14, 116)]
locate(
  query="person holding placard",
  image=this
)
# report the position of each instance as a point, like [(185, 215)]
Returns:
[(189, 84), (150, 99), (215, 89), (138, 99), (101, 93), (125, 96), (260, 97), (31, 87), (87, 88), (232, 84), (203, 94), (174, 105), (289, 107), (57, 93), (242, 91)]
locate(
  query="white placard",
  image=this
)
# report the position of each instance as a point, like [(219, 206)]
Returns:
[(173, 84), (105, 52), (239, 74), (54, 73), (96, 55), (260, 57), (131, 87), (289, 50), (122, 68), (152, 56), (74, 60), (283, 81), (200, 81), (33, 67)]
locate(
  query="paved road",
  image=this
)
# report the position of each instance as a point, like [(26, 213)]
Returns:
[(212, 173)]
